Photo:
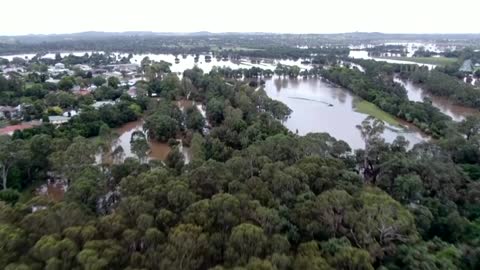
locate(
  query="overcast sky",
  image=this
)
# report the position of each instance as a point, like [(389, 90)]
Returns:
[(293, 16)]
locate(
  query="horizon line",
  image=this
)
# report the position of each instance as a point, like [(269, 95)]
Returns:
[(233, 32)]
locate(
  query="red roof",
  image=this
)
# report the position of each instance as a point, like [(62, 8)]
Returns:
[(11, 129), (82, 92)]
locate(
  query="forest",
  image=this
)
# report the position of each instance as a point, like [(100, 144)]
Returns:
[(254, 195)]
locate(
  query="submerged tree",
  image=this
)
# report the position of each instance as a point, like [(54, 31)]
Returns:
[(107, 139), (139, 145)]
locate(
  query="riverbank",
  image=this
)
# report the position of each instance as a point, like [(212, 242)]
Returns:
[(365, 107)]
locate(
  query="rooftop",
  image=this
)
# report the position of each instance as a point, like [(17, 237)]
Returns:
[(8, 130)]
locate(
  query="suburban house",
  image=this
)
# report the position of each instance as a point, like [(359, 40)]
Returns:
[(132, 92), (83, 67), (9, 112), (58, 120), (13, 69), (51, 80), (100, 104), (9, 130), (99, 71), (58, 69), (59, 66), (123, 67), (82, 91), (70, 113)]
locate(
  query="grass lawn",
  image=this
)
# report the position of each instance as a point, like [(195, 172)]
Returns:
[(363, 106), (28, 85), (441, 61)]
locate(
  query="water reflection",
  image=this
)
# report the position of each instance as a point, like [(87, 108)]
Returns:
[(310, 102)]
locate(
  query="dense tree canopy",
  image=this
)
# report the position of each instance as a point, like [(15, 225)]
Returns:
[(252, 195)]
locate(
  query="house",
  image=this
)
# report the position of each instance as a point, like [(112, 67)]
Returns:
[(114, 74), (134, 81), (100, 104), (70, 113), (124, 67), (59, 66), (82, 92), (132, 92), (57, 70), (13, 69), (58, 120), (51, 80), (9, 130), (9, 112), (99, 71), (83, 67)]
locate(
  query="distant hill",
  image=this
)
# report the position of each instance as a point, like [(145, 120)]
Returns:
[(93, 35)]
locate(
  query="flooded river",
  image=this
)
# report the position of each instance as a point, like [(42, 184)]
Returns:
[(446, 106), (310, 101)]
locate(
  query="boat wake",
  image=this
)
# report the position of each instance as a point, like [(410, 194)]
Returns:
[(314, 100)]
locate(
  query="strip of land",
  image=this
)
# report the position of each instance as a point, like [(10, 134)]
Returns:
[(441, 61), (363, 106)]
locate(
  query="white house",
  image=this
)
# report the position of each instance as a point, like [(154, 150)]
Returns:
[(132, 92), (59, 66), (83, 67), (100, 104), (51, 80), (58, 120), (70, 113)]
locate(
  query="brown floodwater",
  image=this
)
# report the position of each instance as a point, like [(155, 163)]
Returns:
[(446, 106), (158, 150), (318, 106), (310, 101), (53, 189)]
